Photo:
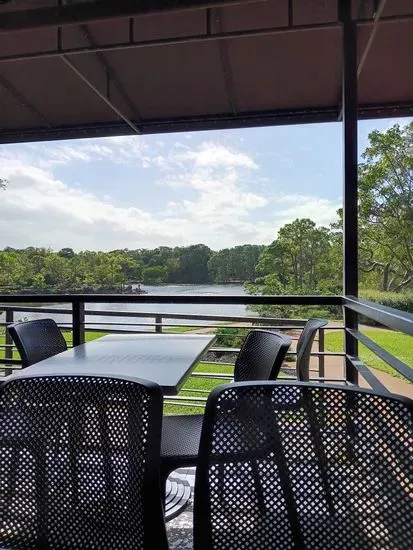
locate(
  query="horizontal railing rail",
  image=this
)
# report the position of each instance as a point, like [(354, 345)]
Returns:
[(82, 319), (172, 299), (392, 318)]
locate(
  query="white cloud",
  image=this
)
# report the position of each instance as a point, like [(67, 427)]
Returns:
[(39, 210), (223, 202), (214, 155), (322, 211), (221, 199), (212, 197), (180, 145), (118, 149)]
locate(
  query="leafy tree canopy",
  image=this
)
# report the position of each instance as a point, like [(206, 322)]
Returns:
[(386, 208)]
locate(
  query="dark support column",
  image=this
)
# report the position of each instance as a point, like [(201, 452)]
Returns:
[(158, 323), (78, 323), (8, 352), (321, 349), (350, 221)]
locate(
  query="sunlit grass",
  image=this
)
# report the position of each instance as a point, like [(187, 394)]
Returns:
[(398, 344)]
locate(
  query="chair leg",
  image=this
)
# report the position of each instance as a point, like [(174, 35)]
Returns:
[(74, 445), (41, 497), (164, 474), (108, 465), (14, 468), (257, 485), (350, 427), (319, 450)]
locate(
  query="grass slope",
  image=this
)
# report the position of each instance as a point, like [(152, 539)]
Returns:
[(398, 344)]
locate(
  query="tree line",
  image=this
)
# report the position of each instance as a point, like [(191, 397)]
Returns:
[(42, 269)]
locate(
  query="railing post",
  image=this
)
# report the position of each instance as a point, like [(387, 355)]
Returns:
[(8, 352), (158, 323), (78, 322), (350, 191), (350, 345), (321, 371)]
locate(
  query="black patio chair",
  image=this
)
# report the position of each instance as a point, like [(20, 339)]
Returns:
[(304, 345), (260, 358), (37, 340), (259, 482), (81, 482)]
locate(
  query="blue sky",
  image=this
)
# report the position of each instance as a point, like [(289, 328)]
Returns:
[(221, 188)]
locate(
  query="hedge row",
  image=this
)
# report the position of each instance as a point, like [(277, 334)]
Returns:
[(402, 301)]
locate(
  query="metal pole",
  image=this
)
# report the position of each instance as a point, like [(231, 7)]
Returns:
[(8, 352), (350, 218), (78, 323), (158, 323), (321, 348)]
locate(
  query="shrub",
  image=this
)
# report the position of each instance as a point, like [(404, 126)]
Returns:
[(396, 300), (230, 337)]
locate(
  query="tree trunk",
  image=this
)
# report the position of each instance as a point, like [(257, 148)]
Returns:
[(385, 285)]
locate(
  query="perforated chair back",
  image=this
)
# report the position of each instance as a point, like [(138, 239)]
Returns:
[(261, 355), (304, 345), (260, 484), (37, 340), (80, 464)]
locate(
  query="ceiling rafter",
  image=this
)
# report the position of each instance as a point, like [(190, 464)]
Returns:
[(110, 72), (215, 14), (101, 11), (102, 96), (198, 38), (22, 99), (187, 124)]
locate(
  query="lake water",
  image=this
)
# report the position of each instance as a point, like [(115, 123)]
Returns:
[(179, 290)]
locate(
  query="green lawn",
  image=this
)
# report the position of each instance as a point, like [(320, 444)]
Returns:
[(199, 384), (398, 344), (178, 329)]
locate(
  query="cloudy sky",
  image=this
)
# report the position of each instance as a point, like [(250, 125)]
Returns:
[(219, 188)]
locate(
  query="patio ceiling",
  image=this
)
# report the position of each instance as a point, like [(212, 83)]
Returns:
[(89, 68)]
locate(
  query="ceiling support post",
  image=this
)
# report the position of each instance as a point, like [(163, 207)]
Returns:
[(350, 188)]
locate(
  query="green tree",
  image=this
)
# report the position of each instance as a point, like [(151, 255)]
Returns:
[(55, 271), (67, 253), (234, 264), (193, 264), (38, 282), (299, 258), (11, 270), (131, 269), (386, 209), (154, 274)]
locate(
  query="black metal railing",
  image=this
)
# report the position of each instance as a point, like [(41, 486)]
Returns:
[(392, 318), (81, 319)]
